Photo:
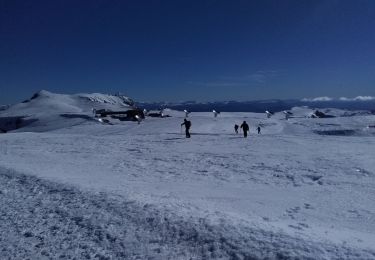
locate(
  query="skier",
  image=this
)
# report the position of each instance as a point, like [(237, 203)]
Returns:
[(236, 128), (245, 128), (187, 125), (258, 128), (138, 118), (186, 113)]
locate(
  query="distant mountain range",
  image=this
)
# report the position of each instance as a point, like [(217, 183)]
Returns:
[(273, 105)]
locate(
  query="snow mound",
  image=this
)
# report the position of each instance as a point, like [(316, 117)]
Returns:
[(46, 111)]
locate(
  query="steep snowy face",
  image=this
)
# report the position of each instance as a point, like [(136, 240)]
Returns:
[(47, 111)]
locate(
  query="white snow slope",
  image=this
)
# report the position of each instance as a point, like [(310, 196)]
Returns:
[(44, 111), (303, 189)]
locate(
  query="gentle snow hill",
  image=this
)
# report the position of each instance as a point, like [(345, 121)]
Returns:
[(46, 111)]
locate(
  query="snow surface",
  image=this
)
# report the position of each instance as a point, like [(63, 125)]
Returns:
[(303, 189)]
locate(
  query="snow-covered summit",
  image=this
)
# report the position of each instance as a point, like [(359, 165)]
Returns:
[(46, 110), (82, 102)]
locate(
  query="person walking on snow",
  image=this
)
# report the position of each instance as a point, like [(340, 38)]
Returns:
[(236, 128), (245, 128), (187, 125), (258, 128)]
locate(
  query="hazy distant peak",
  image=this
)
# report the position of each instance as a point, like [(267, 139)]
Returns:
[(325, 98), (317, 99), (359, 98)]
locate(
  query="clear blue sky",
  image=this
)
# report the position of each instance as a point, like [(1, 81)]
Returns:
[(188, 50)]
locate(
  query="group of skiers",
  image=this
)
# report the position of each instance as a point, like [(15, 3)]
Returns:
[(244, 126)]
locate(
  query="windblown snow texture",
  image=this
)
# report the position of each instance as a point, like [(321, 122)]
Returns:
[(43, 219)]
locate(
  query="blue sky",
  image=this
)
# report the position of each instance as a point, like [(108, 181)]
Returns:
[(188, 50)]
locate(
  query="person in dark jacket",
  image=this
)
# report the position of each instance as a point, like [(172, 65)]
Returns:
[(258, 128), (245, 128), (236, 128), (187, 125)]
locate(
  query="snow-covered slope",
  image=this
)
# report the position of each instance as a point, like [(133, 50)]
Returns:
[(303, 189), (47, 111)]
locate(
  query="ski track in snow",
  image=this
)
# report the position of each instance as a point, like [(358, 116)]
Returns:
[(145, 192)]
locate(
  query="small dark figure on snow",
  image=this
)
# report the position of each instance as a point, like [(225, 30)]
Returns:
[(187, 125), (236, 128), (258, 128), (245, 128)]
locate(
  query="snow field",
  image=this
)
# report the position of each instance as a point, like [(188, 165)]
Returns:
[(275, 195), (74, 188), (47, 220)]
